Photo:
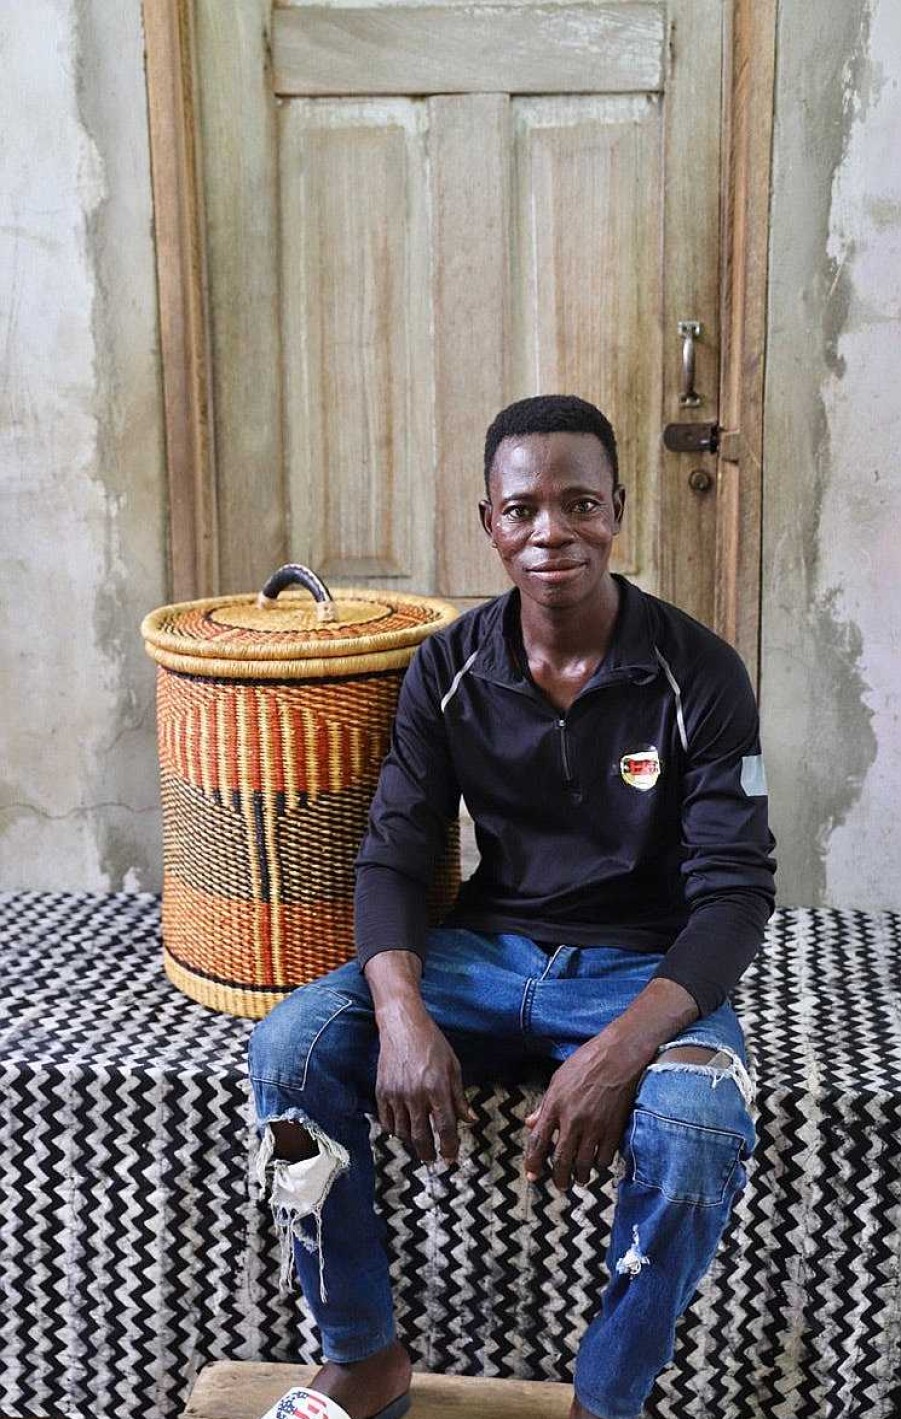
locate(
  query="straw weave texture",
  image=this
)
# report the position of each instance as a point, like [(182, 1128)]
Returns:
[(266, 789), (236, 639)]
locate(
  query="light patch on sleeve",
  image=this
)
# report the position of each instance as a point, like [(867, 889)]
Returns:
[(753, 776)]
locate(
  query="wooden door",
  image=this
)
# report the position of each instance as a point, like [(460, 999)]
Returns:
[(411, 214)]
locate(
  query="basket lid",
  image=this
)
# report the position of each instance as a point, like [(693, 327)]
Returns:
[(296, 634)]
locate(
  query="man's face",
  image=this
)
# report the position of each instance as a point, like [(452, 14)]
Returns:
[(553, 515)]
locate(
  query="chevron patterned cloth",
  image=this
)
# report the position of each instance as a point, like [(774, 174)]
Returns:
[(135, 1249)]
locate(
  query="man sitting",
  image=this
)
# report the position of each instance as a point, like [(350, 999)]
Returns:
[(607, 747)]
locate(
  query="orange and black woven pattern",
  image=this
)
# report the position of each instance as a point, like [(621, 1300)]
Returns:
[(266, 789)]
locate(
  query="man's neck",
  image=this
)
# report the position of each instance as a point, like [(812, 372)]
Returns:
[(559, 636)]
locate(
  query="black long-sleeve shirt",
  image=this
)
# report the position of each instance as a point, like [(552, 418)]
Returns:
[(637, 818)]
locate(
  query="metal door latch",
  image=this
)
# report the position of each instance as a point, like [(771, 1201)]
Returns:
[(692, 438)]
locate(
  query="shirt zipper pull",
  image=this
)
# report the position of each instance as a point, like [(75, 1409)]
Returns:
[(567, 773)]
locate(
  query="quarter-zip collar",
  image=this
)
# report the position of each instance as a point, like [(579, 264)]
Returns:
[(630, 655)]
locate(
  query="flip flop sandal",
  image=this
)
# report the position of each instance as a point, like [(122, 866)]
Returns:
[(303, 1403)]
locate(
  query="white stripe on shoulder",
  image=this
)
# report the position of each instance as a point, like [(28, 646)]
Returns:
[(674, 685), (455, 683)]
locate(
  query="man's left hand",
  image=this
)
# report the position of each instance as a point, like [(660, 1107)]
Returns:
[(586, 1108)]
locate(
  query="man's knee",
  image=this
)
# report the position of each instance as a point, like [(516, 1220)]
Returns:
[(299, 1038), (695, 1054), (292, 1142), (717, 1063), (689, 1140), (697, 1089)]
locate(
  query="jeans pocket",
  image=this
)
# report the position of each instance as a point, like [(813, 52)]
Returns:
[(685, 1161)]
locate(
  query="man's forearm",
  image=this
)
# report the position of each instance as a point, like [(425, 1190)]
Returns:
[(394, 983), (657, 1014)]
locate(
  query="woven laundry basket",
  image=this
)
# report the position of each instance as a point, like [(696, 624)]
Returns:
[(274, 714)]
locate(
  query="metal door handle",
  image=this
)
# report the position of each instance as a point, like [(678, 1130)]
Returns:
[(690, 330)]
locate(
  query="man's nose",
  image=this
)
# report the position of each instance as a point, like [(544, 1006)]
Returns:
[(551, 528)]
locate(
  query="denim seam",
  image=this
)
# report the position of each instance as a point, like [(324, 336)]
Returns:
[(306, 1064), (292, 1088), (295, 1087), (525, 1009), (693, 1200), (686, 1123), (370, 1348), (595, 1405), (557, 951), (528, 995)]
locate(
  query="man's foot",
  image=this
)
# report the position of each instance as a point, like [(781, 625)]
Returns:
[(367, 1386)]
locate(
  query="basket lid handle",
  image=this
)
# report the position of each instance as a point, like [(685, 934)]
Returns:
[(292, 574)]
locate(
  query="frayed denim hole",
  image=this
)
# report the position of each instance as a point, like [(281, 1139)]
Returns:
[(280, 1178), (736, 1070)]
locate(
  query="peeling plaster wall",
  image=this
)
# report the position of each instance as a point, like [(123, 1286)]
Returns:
[(82, 551), (831, 630)]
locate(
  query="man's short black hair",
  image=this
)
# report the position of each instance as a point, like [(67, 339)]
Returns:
[(550, 414)]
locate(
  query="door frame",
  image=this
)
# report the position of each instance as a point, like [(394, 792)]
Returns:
[(185, 336)]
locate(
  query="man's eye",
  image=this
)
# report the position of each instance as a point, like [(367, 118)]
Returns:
[(518, 511), (586, 505)]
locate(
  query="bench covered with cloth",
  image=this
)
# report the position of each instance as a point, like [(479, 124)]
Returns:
[(134, 1247)]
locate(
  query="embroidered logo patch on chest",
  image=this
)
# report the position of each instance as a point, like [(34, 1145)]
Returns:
[(640, 769)]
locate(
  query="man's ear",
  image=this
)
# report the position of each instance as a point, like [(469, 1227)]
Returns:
[(486, 511), (619, 505)]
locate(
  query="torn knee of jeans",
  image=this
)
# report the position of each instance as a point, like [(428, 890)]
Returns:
[(299, 1190), (631, 1262), (723, 1064)]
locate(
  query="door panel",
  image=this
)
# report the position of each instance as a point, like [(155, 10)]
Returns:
[(422, 49), (239, 200), (355, 278), (455, 228), (469, 146), (359, 241), (587, 191)]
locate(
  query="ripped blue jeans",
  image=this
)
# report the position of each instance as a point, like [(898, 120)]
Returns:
[(503, 1002)]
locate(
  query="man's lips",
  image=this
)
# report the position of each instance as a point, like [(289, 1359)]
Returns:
[(555, 568)]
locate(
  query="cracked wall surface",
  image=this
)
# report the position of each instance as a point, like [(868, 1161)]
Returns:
[(82, 553), (81, 451), (831, 627)]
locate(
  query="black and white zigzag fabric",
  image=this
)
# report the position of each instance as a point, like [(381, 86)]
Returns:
[(134, 1248)]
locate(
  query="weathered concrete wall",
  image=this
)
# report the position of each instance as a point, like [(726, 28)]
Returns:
[(81, 450), (831, 671)]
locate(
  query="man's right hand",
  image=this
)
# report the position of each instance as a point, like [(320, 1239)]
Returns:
[(419, 1084)]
